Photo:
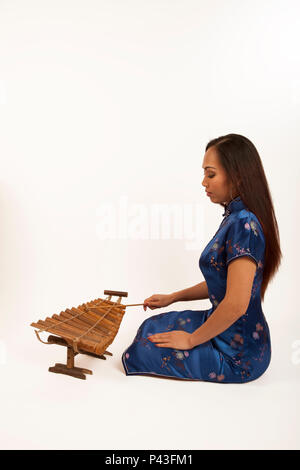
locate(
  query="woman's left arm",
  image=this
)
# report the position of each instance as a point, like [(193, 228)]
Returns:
[(240, 277)]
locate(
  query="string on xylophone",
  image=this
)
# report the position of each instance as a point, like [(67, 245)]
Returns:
[(76, 340)]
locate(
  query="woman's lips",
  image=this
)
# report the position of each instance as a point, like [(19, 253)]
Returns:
[(208, 194)]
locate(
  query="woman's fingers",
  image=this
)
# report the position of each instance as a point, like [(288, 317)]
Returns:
[(155, 301), (150, 305), (163, 338), (147, 305)]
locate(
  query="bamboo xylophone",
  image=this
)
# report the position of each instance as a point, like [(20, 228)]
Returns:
[(88, 329)]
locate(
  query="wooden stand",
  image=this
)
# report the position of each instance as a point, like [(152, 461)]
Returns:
[(69, 368)]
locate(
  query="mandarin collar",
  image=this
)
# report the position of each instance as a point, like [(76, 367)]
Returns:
[(234, 205)]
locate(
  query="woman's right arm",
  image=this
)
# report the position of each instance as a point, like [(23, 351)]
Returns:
[(197, 292)]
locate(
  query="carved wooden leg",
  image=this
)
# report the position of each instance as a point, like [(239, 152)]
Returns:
[(69, 368), (63, 369)]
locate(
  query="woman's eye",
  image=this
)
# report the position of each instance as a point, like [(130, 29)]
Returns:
[(211, 176)]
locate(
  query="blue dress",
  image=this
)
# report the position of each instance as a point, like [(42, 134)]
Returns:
[(242, 352)]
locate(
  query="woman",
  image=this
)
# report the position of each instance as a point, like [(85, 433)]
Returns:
[(230, 342)]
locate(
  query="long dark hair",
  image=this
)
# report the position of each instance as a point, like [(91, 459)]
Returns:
[(245, 171)]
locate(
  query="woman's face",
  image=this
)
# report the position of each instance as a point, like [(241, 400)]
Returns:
[(215, 179)]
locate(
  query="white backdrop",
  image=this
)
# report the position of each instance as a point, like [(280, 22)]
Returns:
[(105, 111)]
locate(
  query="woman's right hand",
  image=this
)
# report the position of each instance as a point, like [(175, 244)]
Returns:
[(157, 301)]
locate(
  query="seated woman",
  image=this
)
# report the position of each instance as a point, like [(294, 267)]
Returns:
[(230, 342)]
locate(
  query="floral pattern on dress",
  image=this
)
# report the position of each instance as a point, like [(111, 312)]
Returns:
[(144, 341), (260, 334), (216, 377), (214, 301), (165, 361), (217, 249), (237, 341), (177, 358), (215, 264)]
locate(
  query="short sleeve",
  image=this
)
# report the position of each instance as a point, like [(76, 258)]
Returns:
[(245, 237)]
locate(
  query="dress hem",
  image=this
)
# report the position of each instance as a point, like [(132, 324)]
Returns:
[(183, 378)]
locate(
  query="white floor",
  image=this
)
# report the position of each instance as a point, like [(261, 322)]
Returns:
[(108, 410)]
